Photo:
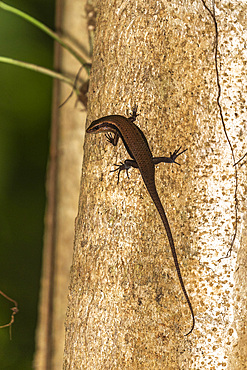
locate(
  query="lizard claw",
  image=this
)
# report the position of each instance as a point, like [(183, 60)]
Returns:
[(121, 167), (109, 138), (175, 154), (134, 114)]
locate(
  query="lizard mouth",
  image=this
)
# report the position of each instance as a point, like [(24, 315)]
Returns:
[(91, 129)]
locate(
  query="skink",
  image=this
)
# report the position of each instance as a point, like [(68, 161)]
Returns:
[(137, 147)]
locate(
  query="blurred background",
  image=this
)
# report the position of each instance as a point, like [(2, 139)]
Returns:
[(25, 114)]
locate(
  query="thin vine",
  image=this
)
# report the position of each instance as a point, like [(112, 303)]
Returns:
[(14, 310)]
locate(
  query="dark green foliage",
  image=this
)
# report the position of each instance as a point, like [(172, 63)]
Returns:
[(25, 116)]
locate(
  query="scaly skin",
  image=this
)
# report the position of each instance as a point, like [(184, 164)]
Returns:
[(137, 146)]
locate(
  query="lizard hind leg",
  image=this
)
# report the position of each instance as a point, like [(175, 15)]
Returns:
[(126, 165)]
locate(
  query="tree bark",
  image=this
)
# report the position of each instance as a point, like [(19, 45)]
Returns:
[(63, 180), (126, 309)]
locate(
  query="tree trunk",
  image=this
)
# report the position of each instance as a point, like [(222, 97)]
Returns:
[(67, 135), (126, 309)]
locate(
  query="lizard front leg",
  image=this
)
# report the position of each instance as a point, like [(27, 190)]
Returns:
[(112, 138)]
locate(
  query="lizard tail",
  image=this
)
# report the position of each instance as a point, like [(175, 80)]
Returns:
[(155, 197)]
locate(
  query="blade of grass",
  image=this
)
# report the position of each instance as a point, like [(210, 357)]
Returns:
[(47, 30), (34, 67)]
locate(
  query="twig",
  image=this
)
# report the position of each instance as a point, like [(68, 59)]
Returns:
[(14, 312)]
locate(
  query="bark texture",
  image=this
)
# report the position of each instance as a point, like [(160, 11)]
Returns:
[(126, 309), (63, 180)]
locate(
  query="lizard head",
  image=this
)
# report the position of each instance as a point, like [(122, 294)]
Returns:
[(100, 125)]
